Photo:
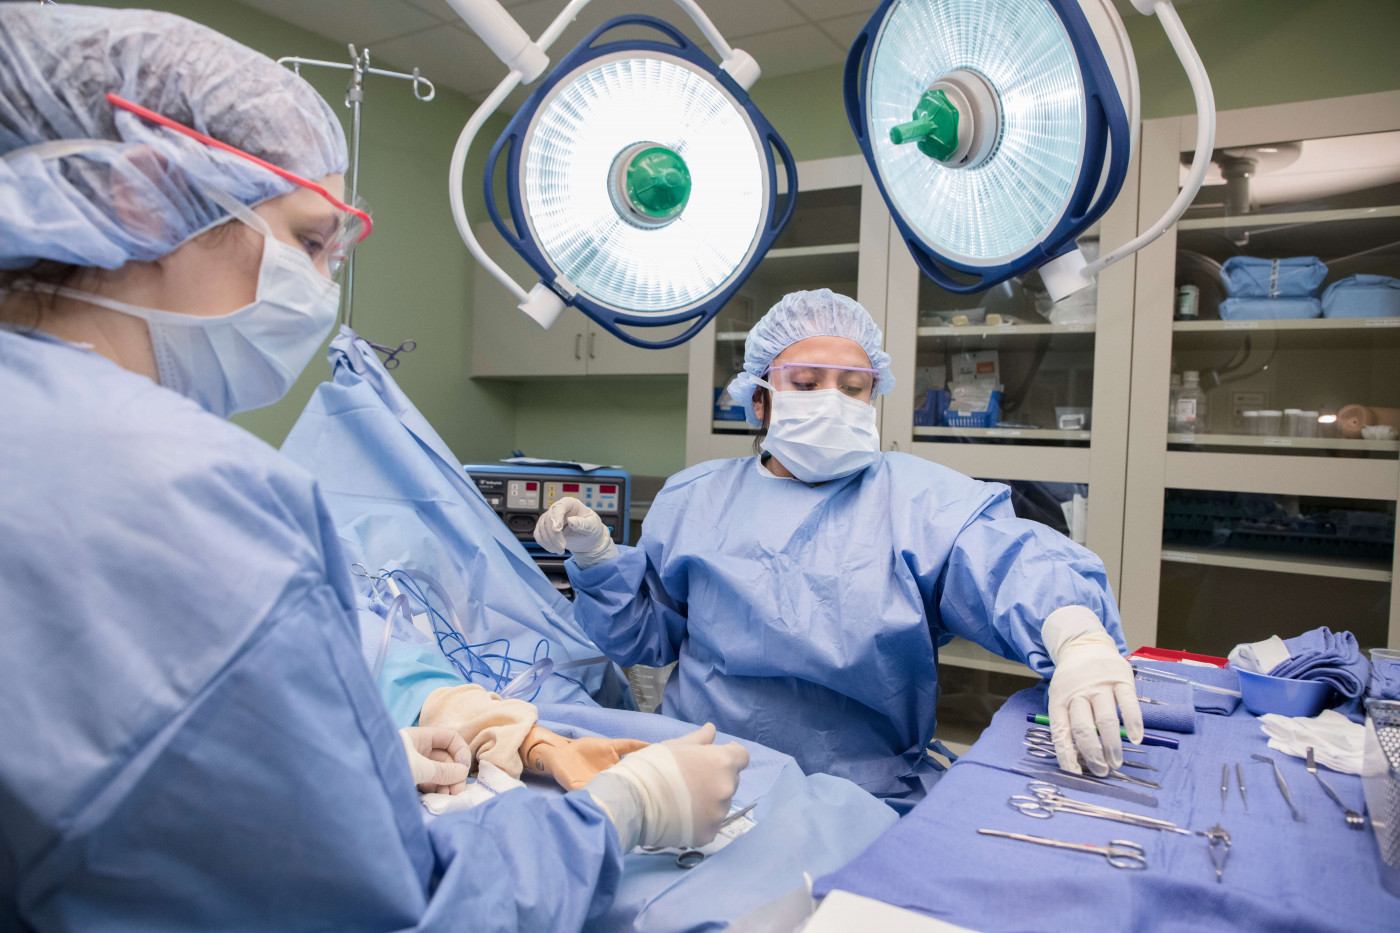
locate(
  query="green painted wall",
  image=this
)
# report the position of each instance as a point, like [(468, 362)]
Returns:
[(413, 275), (636, 422)]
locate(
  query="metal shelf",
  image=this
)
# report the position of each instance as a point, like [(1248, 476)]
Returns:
[(1020, 434), (1302, 443), (962, 653), (797, 252), (1308, 324), (1003, 330), (1299, 476), (1382, 333), (1011, 461), (1295, 217), (1376, 571)]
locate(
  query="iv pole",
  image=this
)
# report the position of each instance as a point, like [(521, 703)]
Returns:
[(359, 66)]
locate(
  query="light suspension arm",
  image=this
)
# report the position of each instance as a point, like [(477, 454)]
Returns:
[(1205, 133)]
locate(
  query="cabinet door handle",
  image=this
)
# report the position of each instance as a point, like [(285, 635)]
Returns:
[(578, 346), (591, 338)]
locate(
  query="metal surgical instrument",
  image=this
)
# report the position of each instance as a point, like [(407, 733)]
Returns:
[(1046, 800), (1283, 788), (1119, 852), (1041, 734), (1354, 820), (1239, 776), (1044, 750), (689, 858)]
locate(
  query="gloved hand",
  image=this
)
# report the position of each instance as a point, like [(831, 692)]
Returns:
[(569, 524), (674, 793), (1092, 684), (573, 763), (438, 758)]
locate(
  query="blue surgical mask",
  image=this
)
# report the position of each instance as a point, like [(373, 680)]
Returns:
[(821, 435), (249, 358)]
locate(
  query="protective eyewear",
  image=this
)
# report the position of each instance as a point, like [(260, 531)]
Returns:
[(355, 223), (858, 382)]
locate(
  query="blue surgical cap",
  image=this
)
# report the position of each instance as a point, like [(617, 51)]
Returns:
[(797, 316), (85, 183)]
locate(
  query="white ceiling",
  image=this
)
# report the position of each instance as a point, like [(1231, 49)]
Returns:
[(784, 36)]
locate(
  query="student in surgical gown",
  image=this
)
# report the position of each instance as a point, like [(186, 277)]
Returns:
[(805, 592), (190, 737)]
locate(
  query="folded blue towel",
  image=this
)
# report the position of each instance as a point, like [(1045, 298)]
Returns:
[(1178, 715), (1205, 702), (1269, 309), (1333, 658), (1385, 679), (1251, 277)]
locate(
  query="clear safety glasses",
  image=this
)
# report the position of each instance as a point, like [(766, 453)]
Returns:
[(854, 381), (355, 223)]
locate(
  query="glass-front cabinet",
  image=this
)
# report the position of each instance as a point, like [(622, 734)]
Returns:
[(1265, 442)]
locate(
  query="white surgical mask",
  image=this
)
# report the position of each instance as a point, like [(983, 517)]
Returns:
[(249, 358), (821, 435)]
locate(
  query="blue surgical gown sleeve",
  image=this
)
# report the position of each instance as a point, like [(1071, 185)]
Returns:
[(192, 740), (1004, 576), (624, 607)]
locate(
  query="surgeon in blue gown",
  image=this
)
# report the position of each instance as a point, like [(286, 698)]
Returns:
[(191, 739), (805, 592)]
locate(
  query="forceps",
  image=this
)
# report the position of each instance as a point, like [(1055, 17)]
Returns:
[(1037, 749), (1119, 852)]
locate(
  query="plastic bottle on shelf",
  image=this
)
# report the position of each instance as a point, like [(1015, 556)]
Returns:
[(1191, 404), (1171, 402)]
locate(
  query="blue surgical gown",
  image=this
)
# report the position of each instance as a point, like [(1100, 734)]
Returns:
[(190, 737), (808, 618)]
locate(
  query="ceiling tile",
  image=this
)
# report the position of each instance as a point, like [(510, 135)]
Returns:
[(745, 17), (831, 9), (788, 51), (843, 30), (363, 22), (449, 55)]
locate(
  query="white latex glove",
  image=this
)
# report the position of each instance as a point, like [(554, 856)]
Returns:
[(569, 524), (438, 758), (1091, 685), (673, 793)]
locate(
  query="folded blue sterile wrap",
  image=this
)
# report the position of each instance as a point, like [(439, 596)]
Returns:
[(1293, 277), (1362, 296), (1269, 309), (1177, 712), (1385, 679), (1333, 658), (1204, 701)]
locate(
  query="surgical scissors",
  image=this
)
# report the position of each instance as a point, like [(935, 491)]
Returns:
[(1042, 735), (1047, 801), (1037, 749), (1119, 853)]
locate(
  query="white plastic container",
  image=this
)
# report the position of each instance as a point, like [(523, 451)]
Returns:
[(1307, 424), (1291, 419), (1270, 422), (1251, 422)]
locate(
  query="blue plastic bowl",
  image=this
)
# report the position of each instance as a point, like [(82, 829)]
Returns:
[(1262, 694)]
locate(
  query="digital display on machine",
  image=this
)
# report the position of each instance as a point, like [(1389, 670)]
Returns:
[(608, 490)]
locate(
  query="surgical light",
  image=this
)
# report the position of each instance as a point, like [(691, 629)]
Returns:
[(998, 131), (641, 182)]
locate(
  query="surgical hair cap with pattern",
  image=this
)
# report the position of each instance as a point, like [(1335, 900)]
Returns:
[(85, 183), (797, 316)]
